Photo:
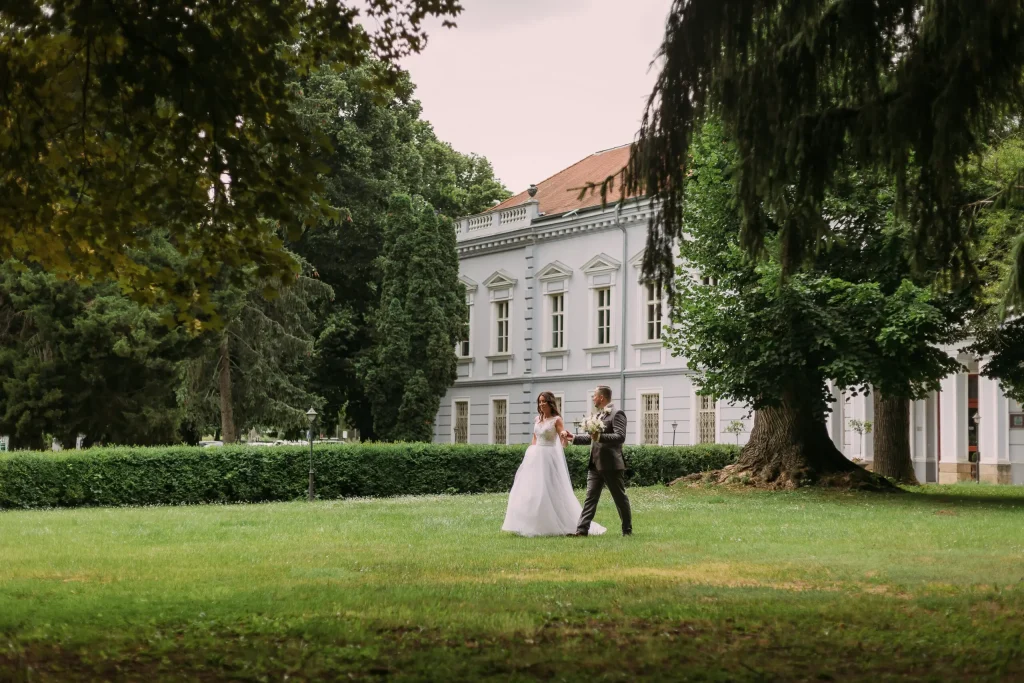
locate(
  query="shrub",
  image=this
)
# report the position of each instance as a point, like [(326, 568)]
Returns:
[(242, 474)]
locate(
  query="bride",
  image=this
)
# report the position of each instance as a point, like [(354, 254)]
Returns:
[(542, 502)]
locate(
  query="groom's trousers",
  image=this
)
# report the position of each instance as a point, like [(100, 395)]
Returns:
[(615, 480)]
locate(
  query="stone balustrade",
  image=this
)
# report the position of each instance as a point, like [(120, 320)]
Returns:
[(493, 222)]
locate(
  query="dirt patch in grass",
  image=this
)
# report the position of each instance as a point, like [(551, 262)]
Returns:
[(735, 475), (76, 577)]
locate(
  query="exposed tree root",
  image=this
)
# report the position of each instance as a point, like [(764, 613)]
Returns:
[(789, 448)]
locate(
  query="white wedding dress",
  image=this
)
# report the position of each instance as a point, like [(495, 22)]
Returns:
[(542, 502)]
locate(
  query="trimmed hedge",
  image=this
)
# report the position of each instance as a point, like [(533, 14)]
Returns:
[(248, 474)]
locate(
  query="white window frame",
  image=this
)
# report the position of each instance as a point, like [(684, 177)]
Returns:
[(502, 291), (645, 305), (464, 348), (491, 416), (496, 321), (695, 417), (471, 288), (560, 402), (601, 273), (642, 343), (609, 325), (554, 282), (469, 418), (551, 313), (640, 414)]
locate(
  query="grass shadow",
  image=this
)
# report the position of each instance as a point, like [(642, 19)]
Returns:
[(971, 496)]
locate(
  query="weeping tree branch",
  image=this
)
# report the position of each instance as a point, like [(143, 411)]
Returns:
[(905, 87)]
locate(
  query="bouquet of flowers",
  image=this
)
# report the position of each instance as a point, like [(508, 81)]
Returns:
[(592, 424)]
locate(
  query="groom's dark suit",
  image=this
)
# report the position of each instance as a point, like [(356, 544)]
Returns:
[(607, 468)]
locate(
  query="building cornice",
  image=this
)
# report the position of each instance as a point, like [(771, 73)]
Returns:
[(559, 377), (546, 229)]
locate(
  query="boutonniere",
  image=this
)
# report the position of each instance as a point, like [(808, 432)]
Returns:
[(606, 411)]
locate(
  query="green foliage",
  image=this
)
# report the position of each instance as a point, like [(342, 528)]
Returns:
[(379, 147), (1003, 343), (455, 184), (757, 334), (862, 427), (910, 327), (773, 339), (997, 327), (119, 117), (754, 336), (420, 317), (270, 331), (993, 188), (716, 585), (236, 474), (291, 343), (77, 359), (907, 88)]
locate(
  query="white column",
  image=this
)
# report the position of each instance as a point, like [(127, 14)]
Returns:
[(913, 431), (856, 412), (918, 439), (867, 444), (954, 465), (993, 431), (931, 437), (836, 422)]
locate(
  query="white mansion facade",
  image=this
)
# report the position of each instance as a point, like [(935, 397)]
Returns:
[(557, 303)]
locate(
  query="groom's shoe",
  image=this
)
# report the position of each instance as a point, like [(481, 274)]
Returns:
[(626, 532), (578, 533)]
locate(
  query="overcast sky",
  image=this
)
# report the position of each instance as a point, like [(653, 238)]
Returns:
[(536, 85)]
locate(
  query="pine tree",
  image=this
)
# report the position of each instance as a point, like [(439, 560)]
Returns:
[(84, 359), (417, 324), (257, 369)]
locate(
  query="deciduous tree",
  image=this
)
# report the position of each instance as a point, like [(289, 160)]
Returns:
[(379, 146), (773, 342), (118, 117)]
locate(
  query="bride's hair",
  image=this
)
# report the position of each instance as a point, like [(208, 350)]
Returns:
[(550, 399)]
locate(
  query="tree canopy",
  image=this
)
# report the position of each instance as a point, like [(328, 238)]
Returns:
[(379, 146), (997, 327), (853, 316), (86, 360), (277, 347), (907, 88), (123, 117)]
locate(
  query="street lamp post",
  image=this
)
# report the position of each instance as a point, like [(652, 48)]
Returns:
[(576, 425), (674, 425), (311, 419)]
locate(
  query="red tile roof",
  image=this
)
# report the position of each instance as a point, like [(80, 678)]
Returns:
[(557, 194)]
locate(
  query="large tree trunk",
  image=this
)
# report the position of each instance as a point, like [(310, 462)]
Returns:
[(790, 446), (891, 432), (227, 412)]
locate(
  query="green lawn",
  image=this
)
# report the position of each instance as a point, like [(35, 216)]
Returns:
[(715, 585)]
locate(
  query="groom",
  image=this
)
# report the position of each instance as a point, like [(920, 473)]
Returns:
[(607, 467)]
